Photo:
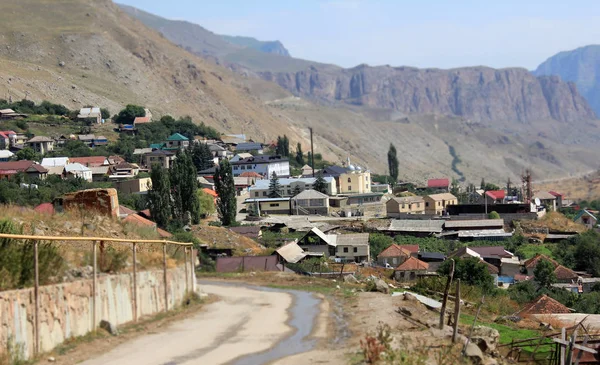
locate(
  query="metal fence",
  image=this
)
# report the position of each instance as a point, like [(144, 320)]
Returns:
[(95, 241), (247, 263)]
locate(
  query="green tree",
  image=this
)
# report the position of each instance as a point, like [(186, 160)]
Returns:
[(207, 160), (320, 184), (482, 186), (184, 187), (379, 242), (494, 215), (297, 190), (105, 113), (299, 155), (207, 203), (225, 188), (455, 187), (28, 154), (274, 187), (544, 273), (393, 164), (127, 115), (586, 253), (470, 271), (159, 197)]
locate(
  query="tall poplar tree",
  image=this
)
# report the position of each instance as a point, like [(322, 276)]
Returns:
[(393, 164), (159, 197), (225, 188)]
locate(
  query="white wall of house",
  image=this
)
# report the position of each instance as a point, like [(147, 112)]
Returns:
[(281, 168)]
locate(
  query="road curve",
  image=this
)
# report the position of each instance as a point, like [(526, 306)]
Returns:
[(242, 322)]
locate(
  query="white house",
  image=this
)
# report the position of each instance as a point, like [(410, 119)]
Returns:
[(262, 165), (260, 189), (78, 170)]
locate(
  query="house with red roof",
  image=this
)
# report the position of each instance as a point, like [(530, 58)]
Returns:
[(441, 185), (410, 269), (30, 168), (495, 196), (394, 255)]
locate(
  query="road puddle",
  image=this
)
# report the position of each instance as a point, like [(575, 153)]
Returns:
[(303, 318)]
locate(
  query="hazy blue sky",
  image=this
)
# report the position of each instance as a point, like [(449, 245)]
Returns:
[(442, 33)]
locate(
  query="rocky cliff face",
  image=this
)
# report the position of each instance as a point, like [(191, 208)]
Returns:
[(477, 93), (581, 66)]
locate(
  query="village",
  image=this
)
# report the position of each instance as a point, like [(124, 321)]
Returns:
[(298, 214)]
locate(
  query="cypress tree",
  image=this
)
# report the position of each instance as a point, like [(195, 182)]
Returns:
[(274, 187), (206, 158), (184, 186), (320, 183), (159, 197), (225, 188), (299, 155), (393, 164)]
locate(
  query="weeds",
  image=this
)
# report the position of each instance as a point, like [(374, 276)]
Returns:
[(13, 354), (374, 346)]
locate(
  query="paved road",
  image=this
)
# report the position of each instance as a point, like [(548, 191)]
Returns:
[(244, 321)]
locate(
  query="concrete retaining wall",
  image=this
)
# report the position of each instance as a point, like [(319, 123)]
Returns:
[(66, 309)]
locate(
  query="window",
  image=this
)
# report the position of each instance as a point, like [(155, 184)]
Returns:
[(274, 204), (426, 204), (345, 249), (236, 167), (394, 260), (349, 188), (418, 205), (355, 249), (349, 180), (256, 193), (243, 167), (317, 202), (264, 193)]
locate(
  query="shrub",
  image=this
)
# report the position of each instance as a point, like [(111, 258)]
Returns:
[(17, 260), (494, 215)]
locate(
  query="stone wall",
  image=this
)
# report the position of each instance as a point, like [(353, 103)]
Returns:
[(66, 309)]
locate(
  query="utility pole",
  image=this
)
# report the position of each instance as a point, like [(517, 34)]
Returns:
[(312, 152)]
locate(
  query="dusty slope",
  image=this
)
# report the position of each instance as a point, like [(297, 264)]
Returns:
[(110, 60), (586, 187)]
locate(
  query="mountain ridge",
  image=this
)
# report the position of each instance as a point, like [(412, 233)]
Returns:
[(581, 66)]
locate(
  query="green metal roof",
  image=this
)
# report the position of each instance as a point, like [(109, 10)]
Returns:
[(177, 137), (156, 146)]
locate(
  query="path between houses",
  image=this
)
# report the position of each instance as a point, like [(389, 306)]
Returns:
[(244, 322)]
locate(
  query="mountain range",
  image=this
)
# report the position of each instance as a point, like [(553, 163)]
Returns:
[(581, 66), (467, 123)]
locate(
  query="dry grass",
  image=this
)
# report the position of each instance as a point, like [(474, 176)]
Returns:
[(79, 253), (577, 188), (555, 222)]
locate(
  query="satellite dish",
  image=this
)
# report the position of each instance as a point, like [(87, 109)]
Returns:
[(537, 202)]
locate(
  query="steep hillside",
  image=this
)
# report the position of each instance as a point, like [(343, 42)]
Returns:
[(478, 93), (581, 66), (275, 47), (82, 52), (245, 51)]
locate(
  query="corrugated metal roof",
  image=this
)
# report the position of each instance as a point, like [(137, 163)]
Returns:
[(416, 225), (291, 252), (54, 161), (438, 183), (76, 167), (310, 194), (475, 223), (484, 233), (352, 239)]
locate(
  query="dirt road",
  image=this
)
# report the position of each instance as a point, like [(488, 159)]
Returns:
[(244, 321)]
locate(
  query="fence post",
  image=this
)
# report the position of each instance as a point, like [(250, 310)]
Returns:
[(135, 299), (94, 283), (165, 276), (36, 289), (456, 310), (445, 300), (193, 278), (185, 262)]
